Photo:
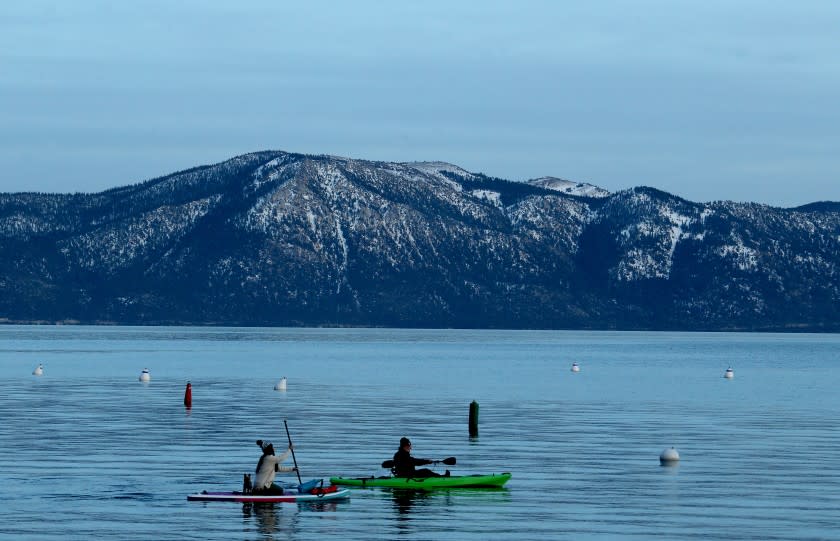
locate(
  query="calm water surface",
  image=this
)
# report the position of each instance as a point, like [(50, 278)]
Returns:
[(86, 451)]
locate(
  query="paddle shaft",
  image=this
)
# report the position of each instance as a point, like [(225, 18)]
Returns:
[(292, 449), (448, 461)]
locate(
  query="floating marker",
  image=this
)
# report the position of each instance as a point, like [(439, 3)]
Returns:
[(473, 419), (145, 376), (281, 385), (575, 367), (39, 370), (729, 374), (669, 457), (188, 396)]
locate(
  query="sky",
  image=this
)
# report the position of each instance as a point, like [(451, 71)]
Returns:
[(708, 100)]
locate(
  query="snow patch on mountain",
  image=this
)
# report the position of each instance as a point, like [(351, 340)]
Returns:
[(650, 239), (434, 168), (743, 257), (638, 264), (569, 187), (120, 244), (272, 171), (678, 222), (494, 198)]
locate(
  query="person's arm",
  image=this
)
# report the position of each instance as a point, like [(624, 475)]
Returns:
[(421, 461), (281, 458)]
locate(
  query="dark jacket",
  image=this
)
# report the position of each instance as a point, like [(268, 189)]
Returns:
[(404, 463)]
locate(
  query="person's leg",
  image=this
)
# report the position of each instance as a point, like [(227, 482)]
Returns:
[(426, 472), (273, 490)]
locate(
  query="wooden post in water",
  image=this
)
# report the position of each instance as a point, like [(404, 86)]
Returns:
[(474, 419)]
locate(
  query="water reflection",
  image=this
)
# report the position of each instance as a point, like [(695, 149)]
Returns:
[(330, 505), (408, 502), (271, 519), (405, 501), (267, 519)]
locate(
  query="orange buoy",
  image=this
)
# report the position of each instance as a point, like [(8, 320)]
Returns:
[(188, 396)]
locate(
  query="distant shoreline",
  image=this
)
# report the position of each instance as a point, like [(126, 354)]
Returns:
[(791, 329)]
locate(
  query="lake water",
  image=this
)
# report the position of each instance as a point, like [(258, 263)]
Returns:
[(87, 451)]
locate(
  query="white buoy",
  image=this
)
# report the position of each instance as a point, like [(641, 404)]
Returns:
[(39, 370), (281, 385), (729, 374), (669, 457), (575, 367), (145, 376)]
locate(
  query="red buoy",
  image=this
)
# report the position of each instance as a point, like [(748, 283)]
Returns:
[(188, 396)]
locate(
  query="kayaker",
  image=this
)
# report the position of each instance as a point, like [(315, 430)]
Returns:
[(404, 463), (267, 467)]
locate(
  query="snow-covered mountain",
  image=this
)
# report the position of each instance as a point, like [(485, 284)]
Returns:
[(569, 187), (273, 238)]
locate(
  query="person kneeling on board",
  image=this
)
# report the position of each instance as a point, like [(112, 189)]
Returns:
[(267, 467), (404, 463)]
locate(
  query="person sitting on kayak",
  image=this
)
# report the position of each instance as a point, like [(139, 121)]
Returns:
[(267, 467), (404, 463)]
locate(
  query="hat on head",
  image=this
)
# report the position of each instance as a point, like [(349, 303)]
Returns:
[(264, 444), (404, 442)]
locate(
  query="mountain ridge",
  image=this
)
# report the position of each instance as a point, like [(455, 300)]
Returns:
[(277, 238)]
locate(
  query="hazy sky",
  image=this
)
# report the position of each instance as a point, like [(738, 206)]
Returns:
[(706, 99)]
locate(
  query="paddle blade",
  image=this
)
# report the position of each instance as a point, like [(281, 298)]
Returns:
[(449, 461), (388, 464)]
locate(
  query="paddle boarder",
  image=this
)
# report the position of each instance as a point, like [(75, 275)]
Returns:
[(404, 463), (268, 466)]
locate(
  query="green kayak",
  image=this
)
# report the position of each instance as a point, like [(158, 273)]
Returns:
[(455, 481)]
